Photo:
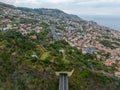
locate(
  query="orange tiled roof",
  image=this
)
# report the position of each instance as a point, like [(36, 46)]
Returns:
[(117, 73)]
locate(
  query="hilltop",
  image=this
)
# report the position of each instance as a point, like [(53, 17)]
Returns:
[(53, 13), (34, 43)]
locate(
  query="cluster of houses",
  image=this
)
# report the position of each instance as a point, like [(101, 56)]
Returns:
[(13, 19), (88, 39), (85, 35)]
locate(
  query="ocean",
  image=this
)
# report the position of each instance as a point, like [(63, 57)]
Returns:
[(109, 21)]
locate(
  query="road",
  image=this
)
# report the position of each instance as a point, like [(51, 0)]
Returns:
[(63, 82), (55, 35)]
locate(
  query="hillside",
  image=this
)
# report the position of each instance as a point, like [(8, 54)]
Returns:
[(31, 46), (53, 13)]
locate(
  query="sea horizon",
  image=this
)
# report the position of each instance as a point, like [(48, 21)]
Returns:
[(112, 22)]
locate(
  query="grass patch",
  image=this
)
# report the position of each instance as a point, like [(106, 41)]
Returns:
[(45, 56)]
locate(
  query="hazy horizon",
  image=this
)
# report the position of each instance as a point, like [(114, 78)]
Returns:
[(78, 7), (104, 12), (108, 21)]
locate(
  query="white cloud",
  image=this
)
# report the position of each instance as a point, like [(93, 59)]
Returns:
[(99, 3), (27, 3), (57, 1)]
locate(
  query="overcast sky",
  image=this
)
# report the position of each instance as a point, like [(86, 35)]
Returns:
[(78, 7)]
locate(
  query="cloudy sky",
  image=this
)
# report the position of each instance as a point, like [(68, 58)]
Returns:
[(79, 7)]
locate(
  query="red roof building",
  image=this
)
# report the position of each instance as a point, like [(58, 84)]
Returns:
[(79, 44), (117, 73)]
